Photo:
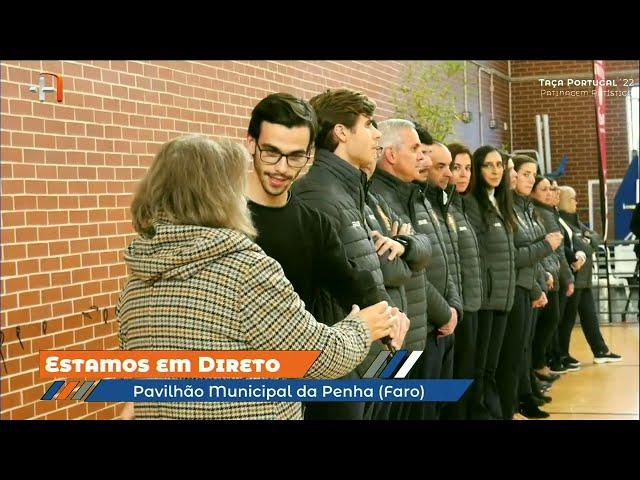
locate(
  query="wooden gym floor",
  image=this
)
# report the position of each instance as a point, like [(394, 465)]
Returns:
[(600, 392)]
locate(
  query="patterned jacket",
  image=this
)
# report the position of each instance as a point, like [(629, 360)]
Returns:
[(199, 288)]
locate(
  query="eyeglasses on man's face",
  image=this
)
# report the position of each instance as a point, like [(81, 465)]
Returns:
[(272, 156)]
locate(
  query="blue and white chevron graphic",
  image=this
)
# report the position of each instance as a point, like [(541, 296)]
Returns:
[(387, 365)]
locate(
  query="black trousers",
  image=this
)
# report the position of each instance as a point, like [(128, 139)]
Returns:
[(436, 363), (545, 328), (410, 410), (526, 385), (448, 359), (554, 351), (583, 303), (335, 410), (463, 364), (377, 411), (485, 400), (511, 354)]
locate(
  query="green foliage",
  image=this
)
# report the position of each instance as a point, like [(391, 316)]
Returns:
[(425, 96)]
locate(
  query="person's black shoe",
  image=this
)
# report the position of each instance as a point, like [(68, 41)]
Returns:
[(542, 385), (570, 366), (538, 387), (606, 357), (541, 396), (571, 362), (532, 411), (537, 401), (558, 368), (547, 378), (530, 399)]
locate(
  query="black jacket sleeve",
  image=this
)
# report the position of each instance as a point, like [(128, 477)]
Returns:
[(594, 237), (565, 274), (536, 289), (540, 285), (418, 249), (453, 296), (528, 255), (438, 309), (395, 272), (348, 283)]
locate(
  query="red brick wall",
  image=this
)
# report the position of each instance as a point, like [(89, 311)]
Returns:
[(68, 171), (572, 122)]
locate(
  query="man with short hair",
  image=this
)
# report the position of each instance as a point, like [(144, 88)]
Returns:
[(303, 240), (400, 164), (336, 186), (437, 192)]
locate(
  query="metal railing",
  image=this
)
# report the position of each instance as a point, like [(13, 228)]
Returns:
[(616, 285)]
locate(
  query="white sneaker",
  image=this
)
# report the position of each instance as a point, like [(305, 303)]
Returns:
[(607, 358)]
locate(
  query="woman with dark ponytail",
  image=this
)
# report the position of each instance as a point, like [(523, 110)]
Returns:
[(490, 211), (543, 198), (469, 253), (531, 248)]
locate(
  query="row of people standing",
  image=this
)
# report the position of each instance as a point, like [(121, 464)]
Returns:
[(522, 219), (525, 276), (199, 282), (384, 214)]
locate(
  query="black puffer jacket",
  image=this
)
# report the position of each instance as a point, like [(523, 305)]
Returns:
[(469, 252), (531, 247), (497, 256), (549, 218), (448, 227), (407, 201), (399, 272), (396, 272), (337, 189), (550, 263), (586, 240), (540, 285)]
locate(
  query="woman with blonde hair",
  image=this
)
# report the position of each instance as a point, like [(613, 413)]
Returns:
[(198, 282)]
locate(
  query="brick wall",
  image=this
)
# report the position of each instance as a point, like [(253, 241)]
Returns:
[(68, 171), (572, 126)]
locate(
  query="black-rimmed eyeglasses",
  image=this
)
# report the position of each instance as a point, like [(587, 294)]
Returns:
[(271, 157)]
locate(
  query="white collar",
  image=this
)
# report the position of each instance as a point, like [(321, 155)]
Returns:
[(567, 227)]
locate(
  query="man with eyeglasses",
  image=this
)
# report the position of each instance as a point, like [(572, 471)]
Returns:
[(302, 239), (281, 131)]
